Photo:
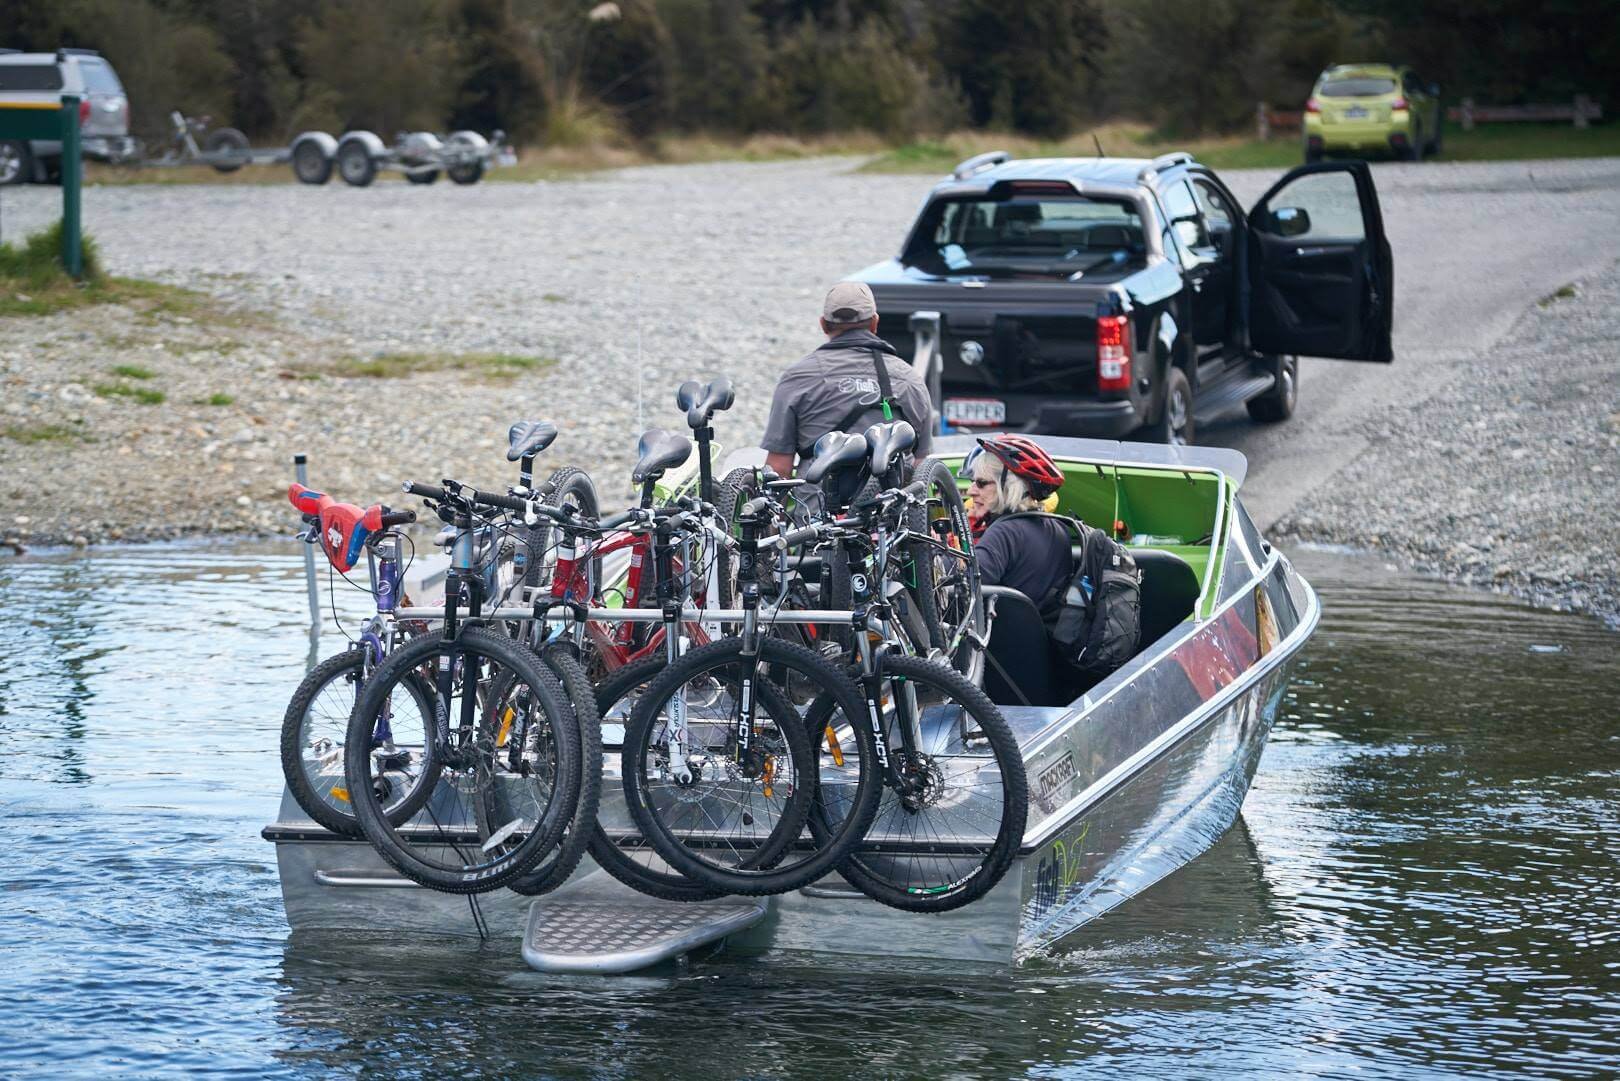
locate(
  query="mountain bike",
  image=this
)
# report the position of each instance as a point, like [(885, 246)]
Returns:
[(503, 737), (314, 727)]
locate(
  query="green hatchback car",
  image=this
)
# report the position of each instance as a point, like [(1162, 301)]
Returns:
[(1359, 108)]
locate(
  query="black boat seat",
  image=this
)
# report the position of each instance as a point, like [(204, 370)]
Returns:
[(887, 442), (659, 450), (1018, 664), (1169, 591), (527, 438), (836, 452), (703, 400)]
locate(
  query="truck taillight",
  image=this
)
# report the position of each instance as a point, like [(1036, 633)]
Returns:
[(1312, 105), (84, 110), (1399, 105), (1113, 352)]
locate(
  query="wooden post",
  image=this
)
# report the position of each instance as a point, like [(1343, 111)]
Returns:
[(1262, 123), (1582, 105), (1468, 114)]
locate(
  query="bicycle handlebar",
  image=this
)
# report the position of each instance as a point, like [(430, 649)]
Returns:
[(398, 518), (466, 497)]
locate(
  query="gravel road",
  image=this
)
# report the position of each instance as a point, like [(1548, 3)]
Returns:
[(663, 272)]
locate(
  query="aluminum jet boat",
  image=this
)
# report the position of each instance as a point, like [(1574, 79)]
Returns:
[(1128, 779)]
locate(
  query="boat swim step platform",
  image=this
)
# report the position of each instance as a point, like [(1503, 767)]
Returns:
[(621, 936)]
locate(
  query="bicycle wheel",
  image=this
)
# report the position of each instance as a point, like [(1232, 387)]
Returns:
[(568, 486), (512, 734), (556, 866), (624, 852), (946, 589), (951, 836), (316, 724), (734, 823)]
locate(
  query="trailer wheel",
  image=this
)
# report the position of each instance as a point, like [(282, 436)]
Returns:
[(310, 162), (230, 145), (423, 178), (469, 172), (355, 164)]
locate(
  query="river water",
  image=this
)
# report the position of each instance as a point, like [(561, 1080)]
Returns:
[(1425, 879)]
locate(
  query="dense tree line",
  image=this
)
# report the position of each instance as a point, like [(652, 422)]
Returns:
[(583, 70)]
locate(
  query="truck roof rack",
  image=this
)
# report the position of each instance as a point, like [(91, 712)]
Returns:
[(76, 52), (1175, 157), (9, 52), (978, 163)]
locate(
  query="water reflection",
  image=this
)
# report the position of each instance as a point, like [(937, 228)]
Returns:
[(1423, 882)]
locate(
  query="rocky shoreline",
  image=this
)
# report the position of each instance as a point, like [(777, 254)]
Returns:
[(1508, 478)]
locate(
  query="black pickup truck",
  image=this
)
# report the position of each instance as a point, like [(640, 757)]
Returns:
[(1108, 296)]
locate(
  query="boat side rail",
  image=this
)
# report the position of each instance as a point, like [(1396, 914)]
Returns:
[(1041, 832)]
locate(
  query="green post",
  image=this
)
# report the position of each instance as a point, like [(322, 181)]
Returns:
[(72, 176)]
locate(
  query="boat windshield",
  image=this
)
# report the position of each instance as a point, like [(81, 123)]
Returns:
[(1043, 237)]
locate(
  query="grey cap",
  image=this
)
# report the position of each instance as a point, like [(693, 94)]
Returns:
[(849, 302)]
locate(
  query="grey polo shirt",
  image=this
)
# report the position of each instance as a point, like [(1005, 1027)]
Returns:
[(818, 392)]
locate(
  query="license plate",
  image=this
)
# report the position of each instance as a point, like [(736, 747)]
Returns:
[(1355, 112), (975, 412)]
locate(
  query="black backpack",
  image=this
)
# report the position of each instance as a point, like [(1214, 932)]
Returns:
[(1099, 620)]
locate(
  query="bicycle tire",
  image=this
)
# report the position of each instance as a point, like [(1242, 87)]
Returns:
[(565, 485), (347, 665), (735, 489), (556, 866), (615, 857), (520, 850), (761, 872), (947, 590), (868, 871)]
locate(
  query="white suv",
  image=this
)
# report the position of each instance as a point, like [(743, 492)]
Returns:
[(44, 77)]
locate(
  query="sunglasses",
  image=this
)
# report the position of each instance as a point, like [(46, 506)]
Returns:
[(981, 483)]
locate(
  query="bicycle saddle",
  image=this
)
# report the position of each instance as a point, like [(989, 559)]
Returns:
[(836, 452), (658, 451), (888, 442), (528, 438), (703, 400)]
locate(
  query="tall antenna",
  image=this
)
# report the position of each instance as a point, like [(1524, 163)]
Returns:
[(1098, 144), (641, 417)]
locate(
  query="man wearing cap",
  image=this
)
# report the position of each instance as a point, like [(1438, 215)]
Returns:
[(854, 380)]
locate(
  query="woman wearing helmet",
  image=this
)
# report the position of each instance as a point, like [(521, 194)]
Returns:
[(1010, 476)]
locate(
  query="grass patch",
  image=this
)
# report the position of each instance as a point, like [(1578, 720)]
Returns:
[(132, 371), (494, 366), (1563, 292), (144, 395), (1487, 142), (214, 399), (562, 162), (33, 281), (41, 433), (100, 173)]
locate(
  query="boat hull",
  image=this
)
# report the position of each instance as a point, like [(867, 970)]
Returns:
[(1134, 780)]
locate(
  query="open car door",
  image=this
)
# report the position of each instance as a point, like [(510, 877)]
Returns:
[(1320, 272)]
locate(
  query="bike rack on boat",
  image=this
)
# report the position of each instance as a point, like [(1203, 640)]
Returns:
[(1129, 781)]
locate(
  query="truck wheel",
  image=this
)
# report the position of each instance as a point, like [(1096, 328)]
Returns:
[(423, 178), (355, 164), (1278, 403), (16, 163), (231, 146), (310, 163), (1312, 155), (1175, 424)]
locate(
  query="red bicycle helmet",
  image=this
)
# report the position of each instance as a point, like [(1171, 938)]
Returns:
[(1024, 458)]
